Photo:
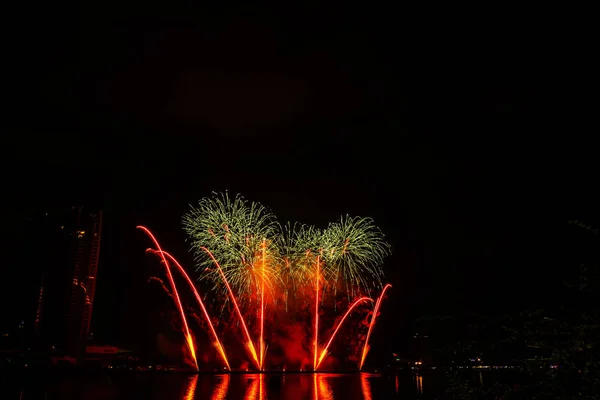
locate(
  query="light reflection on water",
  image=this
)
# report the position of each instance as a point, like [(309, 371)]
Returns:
[(255, 387), (366, 387), (419, 379), (220, 392), (320, 386)]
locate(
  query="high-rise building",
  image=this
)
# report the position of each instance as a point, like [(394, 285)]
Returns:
[(66, 267)]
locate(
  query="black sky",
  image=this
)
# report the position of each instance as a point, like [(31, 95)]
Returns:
[(468, 139)]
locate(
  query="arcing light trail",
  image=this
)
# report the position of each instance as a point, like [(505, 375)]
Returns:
[(217, 342), (324, 352), (373, 318), (188, 336)]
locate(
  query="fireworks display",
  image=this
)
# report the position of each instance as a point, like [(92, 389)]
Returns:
[(273, 281)]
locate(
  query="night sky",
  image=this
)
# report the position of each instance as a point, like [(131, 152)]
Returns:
[(470, 141)]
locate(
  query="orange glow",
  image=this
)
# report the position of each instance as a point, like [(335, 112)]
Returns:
[(188, 336), (217, 343), (316, 340), (373, 318), (324, 352), (366, 387), (249, 343), (190, 393), (220, 392)]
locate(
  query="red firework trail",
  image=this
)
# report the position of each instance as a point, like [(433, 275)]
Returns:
[(373, 318), (324, 352), (316, 340), (249, 345), (162, 284), (218, 344), (188, 336)]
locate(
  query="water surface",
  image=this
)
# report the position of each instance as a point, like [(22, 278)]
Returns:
[(322, 386)]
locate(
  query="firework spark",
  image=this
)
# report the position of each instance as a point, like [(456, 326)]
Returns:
[(355, 249), (235, 231)]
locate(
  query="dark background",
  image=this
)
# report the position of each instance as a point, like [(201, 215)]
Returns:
[(466, 134)]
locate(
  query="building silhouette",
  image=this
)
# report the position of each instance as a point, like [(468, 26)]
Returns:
[(66, 266)]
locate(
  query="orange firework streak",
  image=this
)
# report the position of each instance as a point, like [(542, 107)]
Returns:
[(324, 352), (188, 336), (262, 309), (375, 310), (218, 344), (316, 342), (250, 345)]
